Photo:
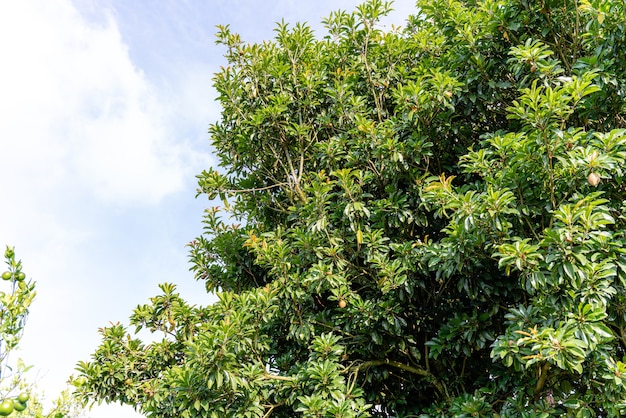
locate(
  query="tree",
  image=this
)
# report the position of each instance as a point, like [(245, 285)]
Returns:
[(18, 397), (426, 221)]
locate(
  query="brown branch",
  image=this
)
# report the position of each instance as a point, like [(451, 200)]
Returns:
[(257, 189), (622, 335), (271, 408), (543, 376), (411, 369), (267, 376)]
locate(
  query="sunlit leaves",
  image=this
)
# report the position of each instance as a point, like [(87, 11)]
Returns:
[(424, 221), (520, 254)]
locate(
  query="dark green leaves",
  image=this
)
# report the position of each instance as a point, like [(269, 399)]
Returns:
[(422, 221)]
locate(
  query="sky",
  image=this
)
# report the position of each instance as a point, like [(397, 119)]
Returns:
[(104, 112)]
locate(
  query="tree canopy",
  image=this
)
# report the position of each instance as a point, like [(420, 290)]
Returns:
[(417, 221)]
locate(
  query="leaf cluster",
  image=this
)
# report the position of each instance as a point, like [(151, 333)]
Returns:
[(427, 221)]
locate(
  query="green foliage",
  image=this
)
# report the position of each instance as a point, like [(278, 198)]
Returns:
[(428, 221), (18, 397)]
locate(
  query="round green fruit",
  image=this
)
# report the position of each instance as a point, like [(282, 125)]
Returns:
[(20, 276), (7, 275), (18, 406), (6, 407), (23, 397)]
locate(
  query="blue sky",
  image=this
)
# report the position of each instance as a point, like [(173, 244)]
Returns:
[(104, 110)]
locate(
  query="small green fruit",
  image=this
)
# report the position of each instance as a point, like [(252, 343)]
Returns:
[(18, 406), (23, 397), (20, 276), (7, 275), (6, 407)]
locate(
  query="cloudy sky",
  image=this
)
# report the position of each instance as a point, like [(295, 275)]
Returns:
[(104, 110)]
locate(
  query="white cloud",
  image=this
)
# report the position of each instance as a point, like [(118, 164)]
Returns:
[(75, 111), (87, 154)]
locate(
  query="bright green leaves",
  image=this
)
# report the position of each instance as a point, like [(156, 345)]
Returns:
[(588, 321), (212, 184), (534, 56), (355, 211), (545, 209), (258, 120), (166, 313), (559, 347), (323, 377), (477, 221), (327, 347), (519, 254), (616, 371), (467, 405), (124, 366), (14, 304), (570, 263), (565, 255), (430, 94), (225, 370), (18, 396), (427, 220), (16, 298), (565, 345), (220, 258), (546, 107)]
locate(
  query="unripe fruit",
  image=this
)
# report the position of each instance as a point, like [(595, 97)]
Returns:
[(593, 179), (6, 407), (20, 276), (23, 397), (7, 275), (18, 406)]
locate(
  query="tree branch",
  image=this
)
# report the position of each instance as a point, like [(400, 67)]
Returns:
[(257, 189), (541, 381), (411, 369), (267, 376)]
